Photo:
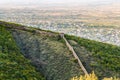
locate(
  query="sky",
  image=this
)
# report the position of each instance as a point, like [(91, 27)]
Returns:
[(43, 1), (55, 2)]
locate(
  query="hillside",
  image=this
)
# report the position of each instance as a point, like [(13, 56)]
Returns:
[(103, 58), (13, 65), (36, 51), (46, 50)]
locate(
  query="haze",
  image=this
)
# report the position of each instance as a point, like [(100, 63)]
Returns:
[(56, 1)]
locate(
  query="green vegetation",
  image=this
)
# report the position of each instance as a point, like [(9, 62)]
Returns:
[(106, 57), (51, 57), (13, 65), (46, 50)]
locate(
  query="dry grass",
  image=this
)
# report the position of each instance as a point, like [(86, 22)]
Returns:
[(92, 76), (48, 54)]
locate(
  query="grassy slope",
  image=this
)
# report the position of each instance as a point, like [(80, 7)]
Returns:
[(13, 65), (49, 55), (103, 58), (47, 51), (51, 51)]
